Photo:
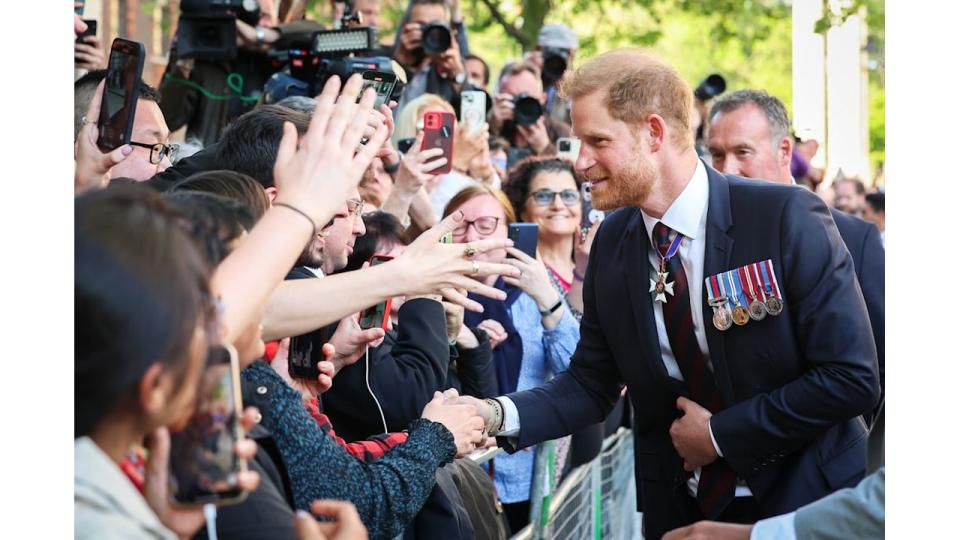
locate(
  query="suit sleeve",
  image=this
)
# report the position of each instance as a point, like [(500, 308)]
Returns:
[(832, 331), (849, 513), (872, 279), (589, 389)]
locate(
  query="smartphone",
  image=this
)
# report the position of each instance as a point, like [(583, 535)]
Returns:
[(378, 315), (588, 214), (90, 31), (203, 460), (438, 133), (303, 356), (381, 82), (473, 108), (524, 236), (568, 148), (404, 145), (120, 94)]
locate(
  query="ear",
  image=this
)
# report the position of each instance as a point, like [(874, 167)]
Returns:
[(271, 193), (151, 392), (785, 151), (656, 130)]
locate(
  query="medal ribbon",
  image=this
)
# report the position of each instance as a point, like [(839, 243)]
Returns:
[(755, 279), (713, 290), (748, 290), (734, 289), (671, 251), (770, 277), (717, 278)]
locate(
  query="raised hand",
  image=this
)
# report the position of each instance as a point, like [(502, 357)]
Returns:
[(533, 279), (351, 341), (417, 166), (461, 419), (309, 389), (495, 332), (316, 172), (91, 166)]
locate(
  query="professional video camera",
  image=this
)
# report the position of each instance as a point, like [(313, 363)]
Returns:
[(343, 52), (207, 28)]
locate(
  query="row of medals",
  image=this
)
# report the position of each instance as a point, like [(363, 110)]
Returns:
[(724, 317)]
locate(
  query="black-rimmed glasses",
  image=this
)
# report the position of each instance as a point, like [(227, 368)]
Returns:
[(158, 151)]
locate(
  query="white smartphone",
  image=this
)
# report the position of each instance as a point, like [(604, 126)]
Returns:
[(473, 108), (568, 148)]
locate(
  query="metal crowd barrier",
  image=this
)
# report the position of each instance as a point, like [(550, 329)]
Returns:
[(595, 501)]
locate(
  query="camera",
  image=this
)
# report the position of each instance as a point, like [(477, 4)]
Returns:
[(207, 28), (526, 109), (711, 87), (436, 37), (554, 64)]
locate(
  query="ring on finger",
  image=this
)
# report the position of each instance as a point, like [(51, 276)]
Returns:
[(469, 251), (476, 268)]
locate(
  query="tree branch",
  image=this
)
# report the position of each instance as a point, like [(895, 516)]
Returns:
[(512, 30)]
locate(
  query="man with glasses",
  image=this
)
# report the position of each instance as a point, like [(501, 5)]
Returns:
[(150, 138)]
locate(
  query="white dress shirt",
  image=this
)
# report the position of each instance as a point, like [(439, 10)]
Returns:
[(687, 215)]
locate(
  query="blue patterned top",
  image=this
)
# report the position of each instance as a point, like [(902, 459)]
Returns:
[(545, 353)]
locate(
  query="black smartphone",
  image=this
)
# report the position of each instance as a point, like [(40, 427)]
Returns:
[(381, 82), (203, 459), (303, 356), (378, 315), (90, 31), (588, 214), (404, 145), (524, 236), (120, 94)]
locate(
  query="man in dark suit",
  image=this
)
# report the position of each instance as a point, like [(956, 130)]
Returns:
[(749, 135), (731, 425)]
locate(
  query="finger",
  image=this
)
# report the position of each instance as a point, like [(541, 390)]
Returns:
[(288, 144), (415, 148), (486, 290), (513, 282), (325, 383), (328, 350), (248, 418), (428, 154), (520, 255), (115, 157), (448, 224), (451, 393), (325, 368), (489, 268), (93, 109), (368, 151), (322, 113), (683, 403), (345, 113), (487, 244), (341, 511), (434, 165), (306, 527), (371, 334), (462, 300), (246, 449)]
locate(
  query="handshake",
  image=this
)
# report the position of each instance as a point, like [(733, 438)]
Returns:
[(468, 419)]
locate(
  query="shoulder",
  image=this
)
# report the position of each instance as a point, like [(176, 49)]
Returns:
[(851, 227)]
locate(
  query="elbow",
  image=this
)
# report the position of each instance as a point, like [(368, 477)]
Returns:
[(864, 393)]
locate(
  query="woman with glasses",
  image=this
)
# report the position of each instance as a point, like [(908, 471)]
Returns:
[(533, 332)]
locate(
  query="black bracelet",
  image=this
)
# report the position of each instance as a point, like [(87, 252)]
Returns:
[(302, 213), (552, 310)]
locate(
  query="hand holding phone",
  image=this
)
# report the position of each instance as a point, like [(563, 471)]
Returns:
[(473, 109), (524, 236), (438, 130), (382, 83), (204, 465), (378, 315)]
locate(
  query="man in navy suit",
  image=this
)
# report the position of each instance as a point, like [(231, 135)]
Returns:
[(730, 425), (749, 135)]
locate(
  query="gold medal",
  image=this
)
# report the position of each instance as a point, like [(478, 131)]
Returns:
[(740, 315)]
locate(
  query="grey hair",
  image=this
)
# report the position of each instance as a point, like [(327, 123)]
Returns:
[(772, 108), (299, 103)]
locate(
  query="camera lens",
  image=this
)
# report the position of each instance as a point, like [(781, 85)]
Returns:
[(564, 146), (527, 110), (711, 87), (554, 64), (436, 38)]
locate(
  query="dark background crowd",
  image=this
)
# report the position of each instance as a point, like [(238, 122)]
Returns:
[(263, 231)]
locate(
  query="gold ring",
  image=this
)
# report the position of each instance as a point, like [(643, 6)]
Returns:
[(476, 268), (469, 251)]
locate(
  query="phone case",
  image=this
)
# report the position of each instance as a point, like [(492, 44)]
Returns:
[(524, 236), (473, 108), (438, 133), (116, 128), (378, 315), (382, 83)]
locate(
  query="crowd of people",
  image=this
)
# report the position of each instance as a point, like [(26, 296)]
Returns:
[(385, 323)]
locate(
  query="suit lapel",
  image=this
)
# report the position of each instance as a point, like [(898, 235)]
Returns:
[(634, 250), (717, 252)]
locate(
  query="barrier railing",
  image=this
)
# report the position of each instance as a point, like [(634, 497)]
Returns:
[(595, 501)]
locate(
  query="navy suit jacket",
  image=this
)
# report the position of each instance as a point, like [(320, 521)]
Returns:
[(795, 385)]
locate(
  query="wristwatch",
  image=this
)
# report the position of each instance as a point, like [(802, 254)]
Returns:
[(261, 35)]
